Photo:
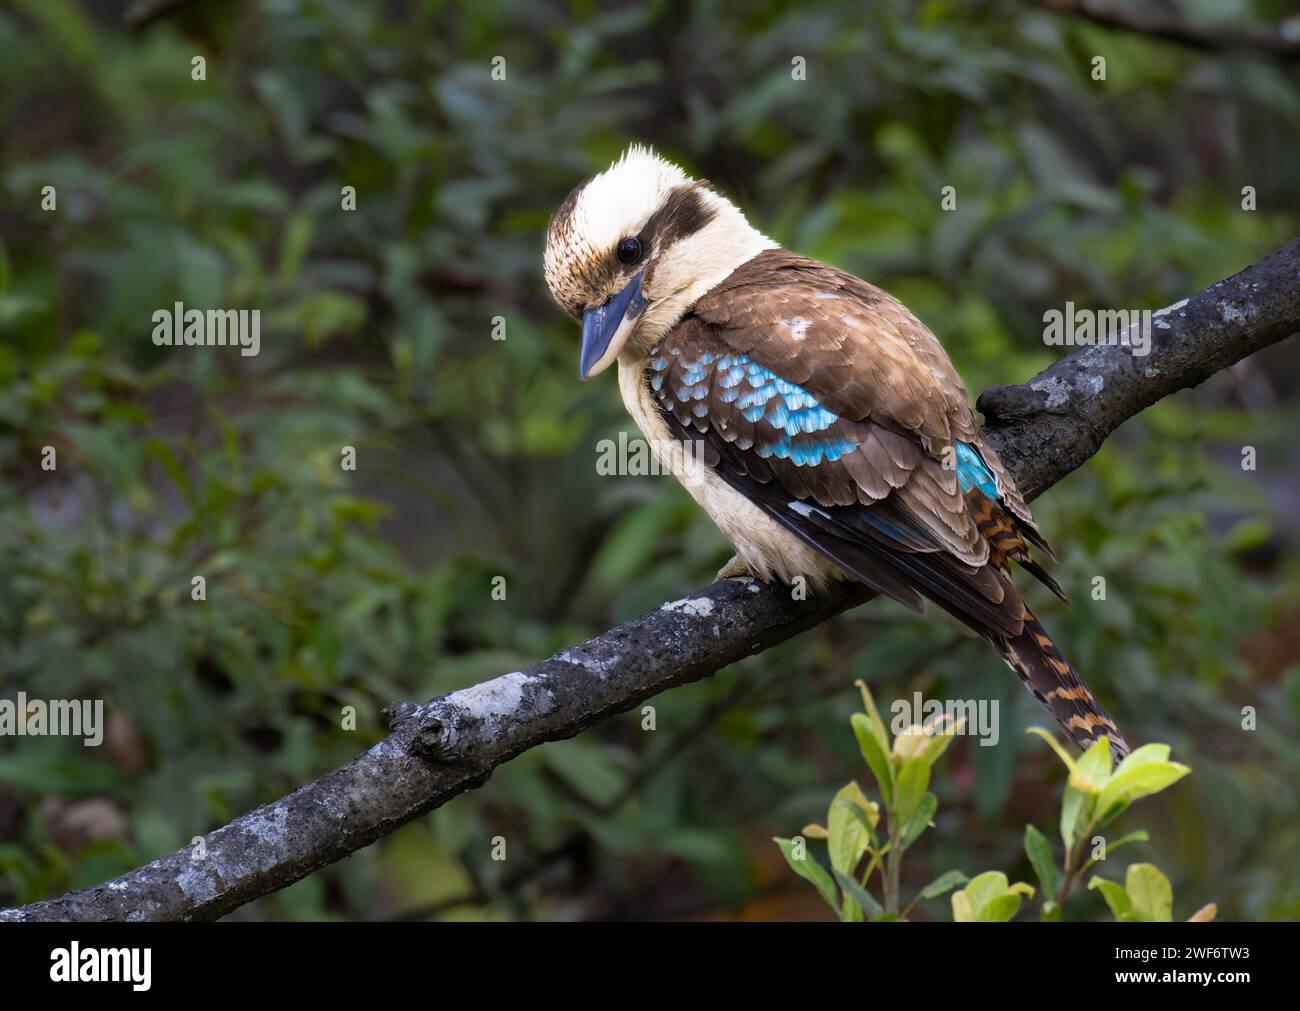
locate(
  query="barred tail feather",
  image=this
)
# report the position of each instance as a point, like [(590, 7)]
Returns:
[(1056, 684)]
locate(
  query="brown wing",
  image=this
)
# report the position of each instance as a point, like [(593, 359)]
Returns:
[(864, 356), (868, 496), (827, 404)]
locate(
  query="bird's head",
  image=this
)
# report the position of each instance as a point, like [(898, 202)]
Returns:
[(631, 249)]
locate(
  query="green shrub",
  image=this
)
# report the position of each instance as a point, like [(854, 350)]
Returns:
[(866, 839)]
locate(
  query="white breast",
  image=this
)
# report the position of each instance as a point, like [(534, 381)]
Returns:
[(767, 548)]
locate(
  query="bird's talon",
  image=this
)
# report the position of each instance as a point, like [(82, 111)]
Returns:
[(733, 569)]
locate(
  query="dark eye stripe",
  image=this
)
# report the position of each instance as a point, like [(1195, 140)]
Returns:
[(683, 213)]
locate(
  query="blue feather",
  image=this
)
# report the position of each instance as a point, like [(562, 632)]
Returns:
[(752, 388), (972, 472)]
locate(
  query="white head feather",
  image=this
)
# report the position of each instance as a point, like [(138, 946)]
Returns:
[(618, 203)]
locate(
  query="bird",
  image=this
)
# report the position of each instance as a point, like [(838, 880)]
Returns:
[(811, 414)]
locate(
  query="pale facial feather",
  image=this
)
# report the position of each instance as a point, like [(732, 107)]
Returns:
[(579, 262)]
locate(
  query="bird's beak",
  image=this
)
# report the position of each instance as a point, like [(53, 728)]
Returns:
[(605, 328)]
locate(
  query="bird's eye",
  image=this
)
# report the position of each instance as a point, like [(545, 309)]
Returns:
[(629, 251)]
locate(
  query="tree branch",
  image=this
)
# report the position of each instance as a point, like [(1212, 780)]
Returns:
[(1281, 43), (1042, 429), (1048, 427)]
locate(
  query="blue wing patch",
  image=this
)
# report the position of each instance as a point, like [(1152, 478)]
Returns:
[(759, 395), (790, 412), (973, 473)]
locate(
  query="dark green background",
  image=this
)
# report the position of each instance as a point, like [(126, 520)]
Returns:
[(477, 458)]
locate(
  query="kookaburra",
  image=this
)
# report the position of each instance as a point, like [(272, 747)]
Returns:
[(816, 420)]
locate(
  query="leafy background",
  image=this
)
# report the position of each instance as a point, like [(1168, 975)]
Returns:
[(476, 458)]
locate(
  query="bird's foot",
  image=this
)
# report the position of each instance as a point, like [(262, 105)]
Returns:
[(733, 569)]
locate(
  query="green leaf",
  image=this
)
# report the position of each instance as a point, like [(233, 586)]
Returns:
[(868, 818), (1039, 851), (938, 739), (876, 757), (920, 819), (1137, 782), (912, 782), (988, 898), (985, 887), (1050, 738), (1092, 771), (1139, 835), (1136, 836), (999, 909), (945, 882), (1051, 912), (1150, 893), (847, 838), (1075, 809), (37, 770), (294, 242), (578, 765), (698, 846), (864, 899), (1144, 754), (810, 870), (877, 724), (1115, 897)]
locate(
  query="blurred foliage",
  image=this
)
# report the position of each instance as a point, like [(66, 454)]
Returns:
[(329, 588), (866, 840)]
